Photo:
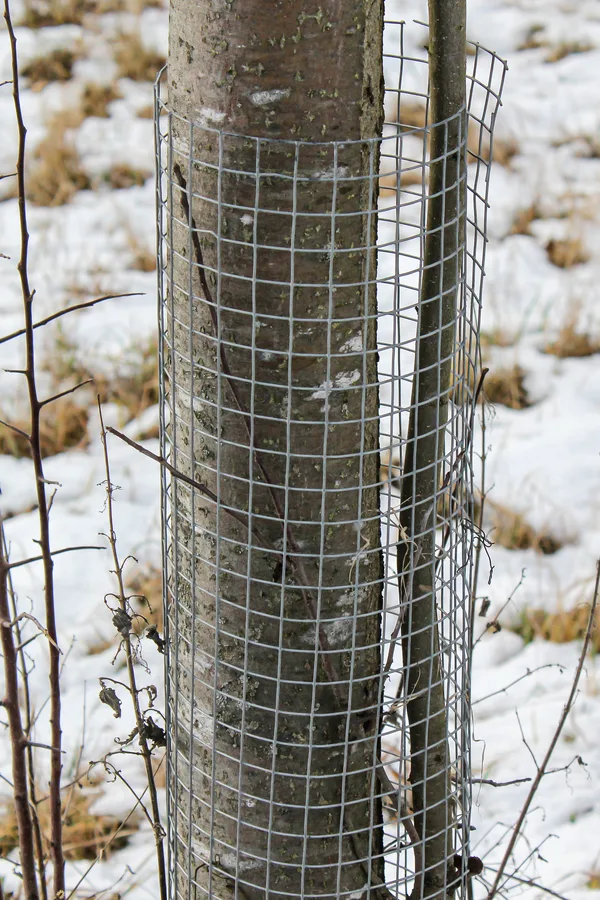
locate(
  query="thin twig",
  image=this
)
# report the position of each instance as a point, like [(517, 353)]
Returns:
[(27, 727), (18, 743), (64, 312), (65, 393), (544, 764), (507, 687), (32, 559), (56, 848), (531, 882), (493, 622), (493, 783)]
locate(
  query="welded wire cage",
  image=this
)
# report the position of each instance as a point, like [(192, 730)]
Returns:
[(289, 361)]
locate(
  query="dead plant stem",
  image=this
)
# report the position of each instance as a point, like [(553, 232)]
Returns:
[(140, 722)]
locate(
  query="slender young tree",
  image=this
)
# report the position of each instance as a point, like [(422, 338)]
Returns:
[(422, 486), (271, 385)]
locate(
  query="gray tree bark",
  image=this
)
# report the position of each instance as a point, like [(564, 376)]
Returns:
[(270, 787), (436, 875)]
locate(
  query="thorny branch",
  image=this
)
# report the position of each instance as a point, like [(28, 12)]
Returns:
[(56, 844)]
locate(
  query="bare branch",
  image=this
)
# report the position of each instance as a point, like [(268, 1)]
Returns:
[(527, 674), (14, 428), (66, 392), (39, 626), (493, 783), (64, 312), (33, 559), (496, 886)]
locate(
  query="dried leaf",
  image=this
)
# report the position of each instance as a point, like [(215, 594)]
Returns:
[(108, 695)]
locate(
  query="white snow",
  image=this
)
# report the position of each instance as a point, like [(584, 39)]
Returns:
[(543, 461)]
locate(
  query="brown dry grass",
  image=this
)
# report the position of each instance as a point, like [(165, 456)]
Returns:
[(511, 530), (146, 112), (506, 387), (566, 48), (131, 6), (143, 259), (122, 176), (96, 97), (523, 219), (55, 174), (533, 40), (497, 337), (479, 144), (413, 116), (388, 183), (63, 426), (85, 833), (566, 253), (54, 66), (135, 390), (572, 341), (43, 13), (559, 627), (134, 60)]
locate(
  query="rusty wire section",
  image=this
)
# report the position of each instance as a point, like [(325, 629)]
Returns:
[(289, 768)]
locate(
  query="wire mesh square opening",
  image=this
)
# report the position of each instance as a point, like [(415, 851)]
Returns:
[(290, 281)]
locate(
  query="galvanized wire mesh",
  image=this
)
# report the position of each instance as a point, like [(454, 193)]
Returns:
[(285, 411)]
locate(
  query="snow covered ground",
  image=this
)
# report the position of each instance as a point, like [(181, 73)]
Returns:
[(543, 461)]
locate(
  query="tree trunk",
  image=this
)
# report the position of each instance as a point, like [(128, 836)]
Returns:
[(422, 487), (271, 386)]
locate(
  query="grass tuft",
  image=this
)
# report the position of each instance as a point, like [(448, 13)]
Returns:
[(96, 97), (572, 341), (134, 60), (506, 387), (54, 66), (566, 48), (146, 112), (45, 13), (134, 388), (55, 173), (143, 259), (523, 219), (559, 627), (567, 252), (511, 530), (122, 176), (63, 426), (85, 833)]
